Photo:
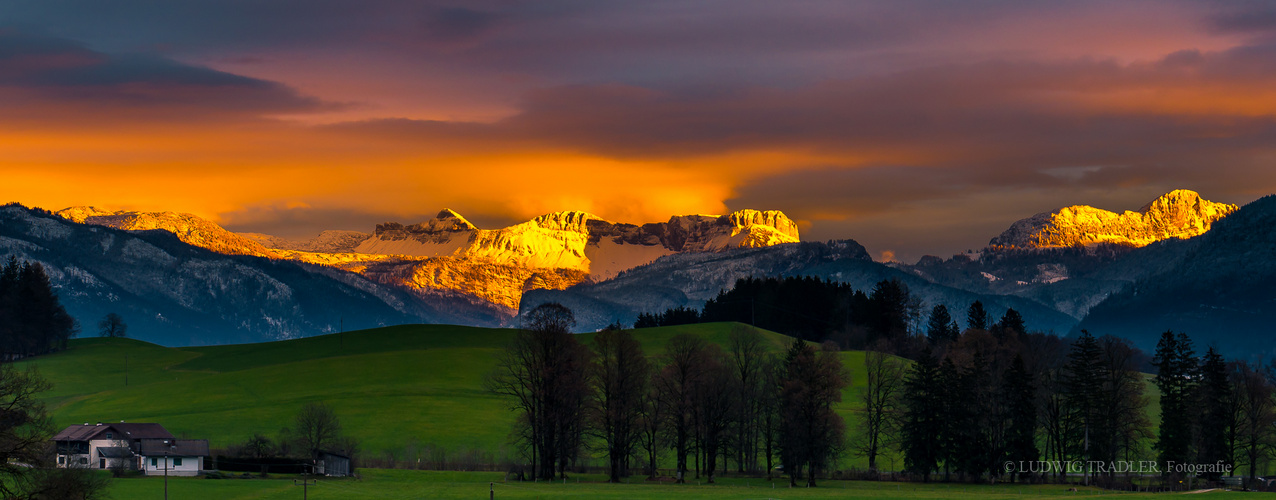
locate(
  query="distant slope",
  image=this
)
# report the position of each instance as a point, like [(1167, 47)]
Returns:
[(173, 293), (1220, 288), (691, 279)]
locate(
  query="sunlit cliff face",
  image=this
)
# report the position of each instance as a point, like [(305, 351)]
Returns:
[(1178, 214), (913, 127), (448, 253)]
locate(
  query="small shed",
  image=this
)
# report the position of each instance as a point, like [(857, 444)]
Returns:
[(333, 465)]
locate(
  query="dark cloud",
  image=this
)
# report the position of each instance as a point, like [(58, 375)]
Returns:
[(1244, 16), (50, 72), (996, 113), (456, 24)]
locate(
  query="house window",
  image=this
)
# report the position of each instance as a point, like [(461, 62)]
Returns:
[(84, 460), (61, 460), (177, 462), (154, 462), (109, 436)]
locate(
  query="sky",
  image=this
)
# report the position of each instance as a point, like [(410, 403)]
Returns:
[(912, 126)]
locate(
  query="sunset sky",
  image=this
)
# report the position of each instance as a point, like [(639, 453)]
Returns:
[(912, 127)]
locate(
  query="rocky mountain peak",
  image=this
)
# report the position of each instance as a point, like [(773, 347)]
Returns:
[(1178, 214), (774, 219), (571, 220)]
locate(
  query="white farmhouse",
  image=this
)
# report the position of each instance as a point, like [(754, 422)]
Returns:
[(103, 446), (174, 457)]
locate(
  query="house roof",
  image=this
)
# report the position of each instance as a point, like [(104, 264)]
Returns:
[(80, 432), (144, 431), (89, 432), (179, 448)]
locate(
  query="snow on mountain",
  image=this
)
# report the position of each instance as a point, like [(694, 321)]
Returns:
[(1177, 214), (581, 241), (331, 241), (552, 251), (174, 293), (188, 228)]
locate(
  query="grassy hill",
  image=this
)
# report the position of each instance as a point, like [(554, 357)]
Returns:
[(390, 386)]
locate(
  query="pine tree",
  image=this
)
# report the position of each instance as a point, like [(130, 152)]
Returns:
[(1012, 321), (977, 317), (1176, 369), (922, 419), (1020, 395), (1216, 412), (937, 329), (1082, 380)]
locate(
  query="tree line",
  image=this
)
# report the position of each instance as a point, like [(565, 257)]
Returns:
[(744, 406), (971, 403), (1214, 410), (819, 310), (32, 320)]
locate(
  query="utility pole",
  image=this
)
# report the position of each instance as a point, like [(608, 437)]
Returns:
[(304, 484)]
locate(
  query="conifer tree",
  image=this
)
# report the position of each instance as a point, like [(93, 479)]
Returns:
[(1175, 378), (1082, 380), (1216, 415), (923, 417), (977, 317), (1012, 321), (937, 329), (1019, 394)]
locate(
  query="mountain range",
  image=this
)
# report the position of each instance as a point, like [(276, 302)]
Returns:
[(1060, 269)]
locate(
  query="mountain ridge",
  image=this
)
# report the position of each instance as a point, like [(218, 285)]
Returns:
[(447, 252), (1178, 214)]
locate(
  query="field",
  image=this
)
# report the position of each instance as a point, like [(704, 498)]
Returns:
[(400, 484), (419, 384)]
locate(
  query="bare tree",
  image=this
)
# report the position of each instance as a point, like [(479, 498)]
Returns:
[(543, 371), (884, 378), (651, 424), (317, 428), (676, 385), (258, 446), (811, 433), (113, 326), (715, 406), (27, 470), (25, 427), (746, 357), (1257, 413), (619, 379)]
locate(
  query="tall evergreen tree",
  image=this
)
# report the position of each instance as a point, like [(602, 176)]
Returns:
[(1176, 379), (1216, 420), (1082, 381), (976, 316), (1012, 321), (32, 320), (1020, 396), (937, 329), (923, 417), (895, 309)]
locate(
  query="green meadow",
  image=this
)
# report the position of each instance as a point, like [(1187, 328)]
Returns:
[(395, 387), (405, 484), (390, 386)]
